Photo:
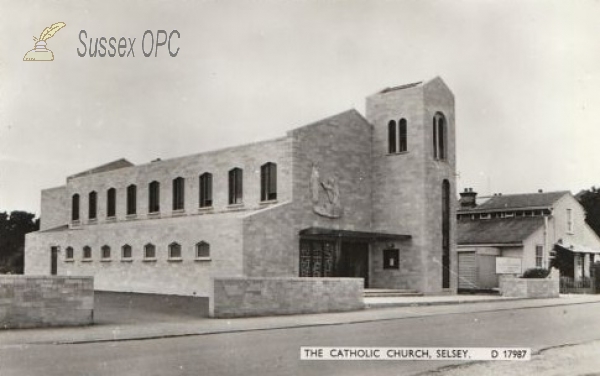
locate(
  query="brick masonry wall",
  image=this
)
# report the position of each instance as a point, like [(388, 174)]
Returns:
[(239, 297), (186, 276), (31, 301), (513, 287)]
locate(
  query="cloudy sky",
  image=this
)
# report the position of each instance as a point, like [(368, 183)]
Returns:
[(525, 75)]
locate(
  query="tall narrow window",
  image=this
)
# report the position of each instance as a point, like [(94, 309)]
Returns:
[(439, 136), (392, 136), (206, 190), (403, 137), (154, 197), (268, 181), (570, 220), (131, 199), (446, 234), (236, 189), (75, 208), (111, 202), (178, 193), (93, 204), (539, 256)]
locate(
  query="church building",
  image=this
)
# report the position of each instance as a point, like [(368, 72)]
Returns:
[(348, 196)]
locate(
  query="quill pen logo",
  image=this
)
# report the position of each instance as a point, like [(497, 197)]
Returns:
[(40, 52)]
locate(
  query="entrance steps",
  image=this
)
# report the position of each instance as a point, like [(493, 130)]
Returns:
[(389, 293)]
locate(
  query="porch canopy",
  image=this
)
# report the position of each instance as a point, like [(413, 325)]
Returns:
[(321, 232), (576, 248)]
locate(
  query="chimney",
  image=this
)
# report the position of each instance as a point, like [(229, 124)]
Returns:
[(468, 199)]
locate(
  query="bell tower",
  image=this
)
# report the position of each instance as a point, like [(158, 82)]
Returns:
[(413, 174)]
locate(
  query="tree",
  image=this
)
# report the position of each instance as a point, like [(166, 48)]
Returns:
[(13, 228), (590, 200)]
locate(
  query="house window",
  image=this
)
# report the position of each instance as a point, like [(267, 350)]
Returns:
[(439, 136), (75, 207), (391, 259), (539, 256), (174, 251), (131, 199), (93, 204), (111, 202), (149, 251), (178, 193), (268, 182), (203, 250), (392, 136), (397, 136), (87, 253), (235, 186), (105, 252), (154, 197), (206, 190), (403, 136), (570, 220), (126, 251), (69, 253)]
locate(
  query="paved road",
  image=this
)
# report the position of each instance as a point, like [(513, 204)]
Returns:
[(276, 352)]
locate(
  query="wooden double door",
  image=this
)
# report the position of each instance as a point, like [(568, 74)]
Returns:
[(334, 258)]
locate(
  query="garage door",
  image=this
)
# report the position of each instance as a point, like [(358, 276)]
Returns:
[(467, 270)]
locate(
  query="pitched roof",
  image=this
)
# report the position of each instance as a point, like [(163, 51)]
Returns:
[(497, 231), (114, 165), (520, 201)]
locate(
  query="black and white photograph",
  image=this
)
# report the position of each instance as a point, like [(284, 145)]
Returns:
[(299, 187)]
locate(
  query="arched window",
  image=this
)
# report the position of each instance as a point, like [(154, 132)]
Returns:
[(178, 193), (69, 253), (236, 189), (75, 207), (105, 252), (392, 136), (131, 199), (149, 251), (154, 197), (202, 250), (445, 234), (403, 136), (87, 252), (268, 181), (126, 251), (439, 136), (206, 190), (93, 205), (174, 250), (111, 202)]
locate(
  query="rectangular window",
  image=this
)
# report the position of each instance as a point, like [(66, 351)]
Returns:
[(391, 259), (206, 190), (131, 200), (126, 251), (69, 253), (403, 135), (154, 197), (75, 208), (111, 202), (539, 256), (235, 186), (92, 205), (178, 193), (268, 182), (570, 220)]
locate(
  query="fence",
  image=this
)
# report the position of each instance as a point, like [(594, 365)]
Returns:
[(585, 285)]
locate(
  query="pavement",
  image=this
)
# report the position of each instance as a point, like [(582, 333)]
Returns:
[(142, 324)]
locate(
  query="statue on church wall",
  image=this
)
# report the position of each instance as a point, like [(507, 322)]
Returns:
[(328, 204)]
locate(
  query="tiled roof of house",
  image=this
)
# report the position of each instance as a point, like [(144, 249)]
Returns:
[(497, 231), (519, 201)]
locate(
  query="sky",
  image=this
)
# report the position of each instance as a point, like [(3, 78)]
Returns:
[(525, 75)]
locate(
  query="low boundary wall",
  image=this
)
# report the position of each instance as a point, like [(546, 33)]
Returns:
[(514, 287), (240, 296), (32, 301)]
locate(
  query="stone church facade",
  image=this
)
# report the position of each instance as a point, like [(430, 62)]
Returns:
[(347, 196)]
